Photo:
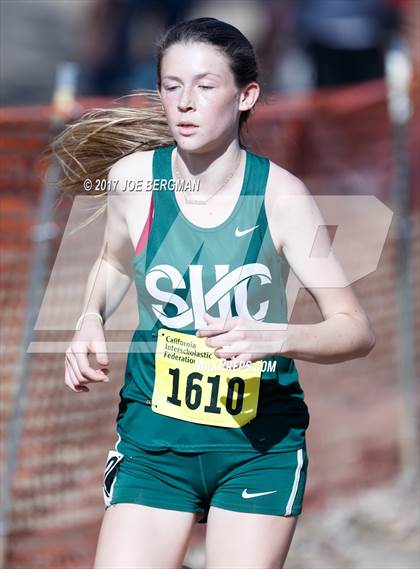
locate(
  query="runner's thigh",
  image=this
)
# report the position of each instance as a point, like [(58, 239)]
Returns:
[(134, 536), (246, 541), (254, 510)]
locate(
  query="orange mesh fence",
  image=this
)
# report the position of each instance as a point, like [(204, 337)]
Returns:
[(338, 142)]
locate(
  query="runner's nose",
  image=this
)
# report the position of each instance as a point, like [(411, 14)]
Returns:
[(186, 100)]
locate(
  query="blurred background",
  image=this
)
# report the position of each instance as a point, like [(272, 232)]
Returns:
[(340, 110)]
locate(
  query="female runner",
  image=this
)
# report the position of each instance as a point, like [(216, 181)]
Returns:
[(212, 420)]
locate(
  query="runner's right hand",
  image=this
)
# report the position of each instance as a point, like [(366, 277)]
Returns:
[(89, 339)]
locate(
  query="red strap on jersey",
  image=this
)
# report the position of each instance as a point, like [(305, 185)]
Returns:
[(146, 230)]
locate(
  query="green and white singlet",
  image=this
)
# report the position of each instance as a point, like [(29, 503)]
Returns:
[(181, 271)]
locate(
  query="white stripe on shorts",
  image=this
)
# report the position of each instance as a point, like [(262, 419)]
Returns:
[(118, 441), (295, 483)]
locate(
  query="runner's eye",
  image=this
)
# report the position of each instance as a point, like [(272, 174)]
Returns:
[(171, 88), (205, 87)]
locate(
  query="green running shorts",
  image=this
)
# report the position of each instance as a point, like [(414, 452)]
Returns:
[(252, 482)]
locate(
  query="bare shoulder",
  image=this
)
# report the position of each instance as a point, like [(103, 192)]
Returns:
[(127, 179), (286, 198), (127, 208), (131, 168), (281, 183)]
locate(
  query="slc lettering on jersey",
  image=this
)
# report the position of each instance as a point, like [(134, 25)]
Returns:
[(201, 301)]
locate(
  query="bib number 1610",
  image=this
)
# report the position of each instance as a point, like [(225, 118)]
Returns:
[(193, 394), (219, 397)]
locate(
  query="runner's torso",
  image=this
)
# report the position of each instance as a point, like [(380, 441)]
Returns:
[(181, 271)]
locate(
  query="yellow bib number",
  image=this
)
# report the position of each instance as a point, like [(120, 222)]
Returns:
[(192, 385)]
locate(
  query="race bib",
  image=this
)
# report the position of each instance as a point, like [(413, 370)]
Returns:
[(192, 385)]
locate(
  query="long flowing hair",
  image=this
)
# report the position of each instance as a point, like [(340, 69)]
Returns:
[(88, 147)]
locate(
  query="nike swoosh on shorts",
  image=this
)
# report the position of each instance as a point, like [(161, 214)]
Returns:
[(246, 494)]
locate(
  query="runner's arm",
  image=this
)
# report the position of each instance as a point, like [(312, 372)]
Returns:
[(111, 274), (346, 331)]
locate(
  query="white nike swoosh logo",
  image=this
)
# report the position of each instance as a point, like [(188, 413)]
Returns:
[(239, 233), (246, 494)]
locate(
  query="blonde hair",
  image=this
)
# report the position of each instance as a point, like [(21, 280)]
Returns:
[(90, 146)]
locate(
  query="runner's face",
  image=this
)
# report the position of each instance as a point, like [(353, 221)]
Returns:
[(198, 87)]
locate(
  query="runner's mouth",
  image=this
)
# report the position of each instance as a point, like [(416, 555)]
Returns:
[(187, 126)]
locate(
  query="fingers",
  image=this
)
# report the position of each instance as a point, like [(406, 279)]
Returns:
[(224, 339), (227, 344), (72, 382), (99, 348), (216, 326), (209, 318), (76, 378), (80, 364), (226, 352), (245, 358), (234, 361)]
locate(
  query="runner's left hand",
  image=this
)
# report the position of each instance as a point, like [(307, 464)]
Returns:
[(243, 339)]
